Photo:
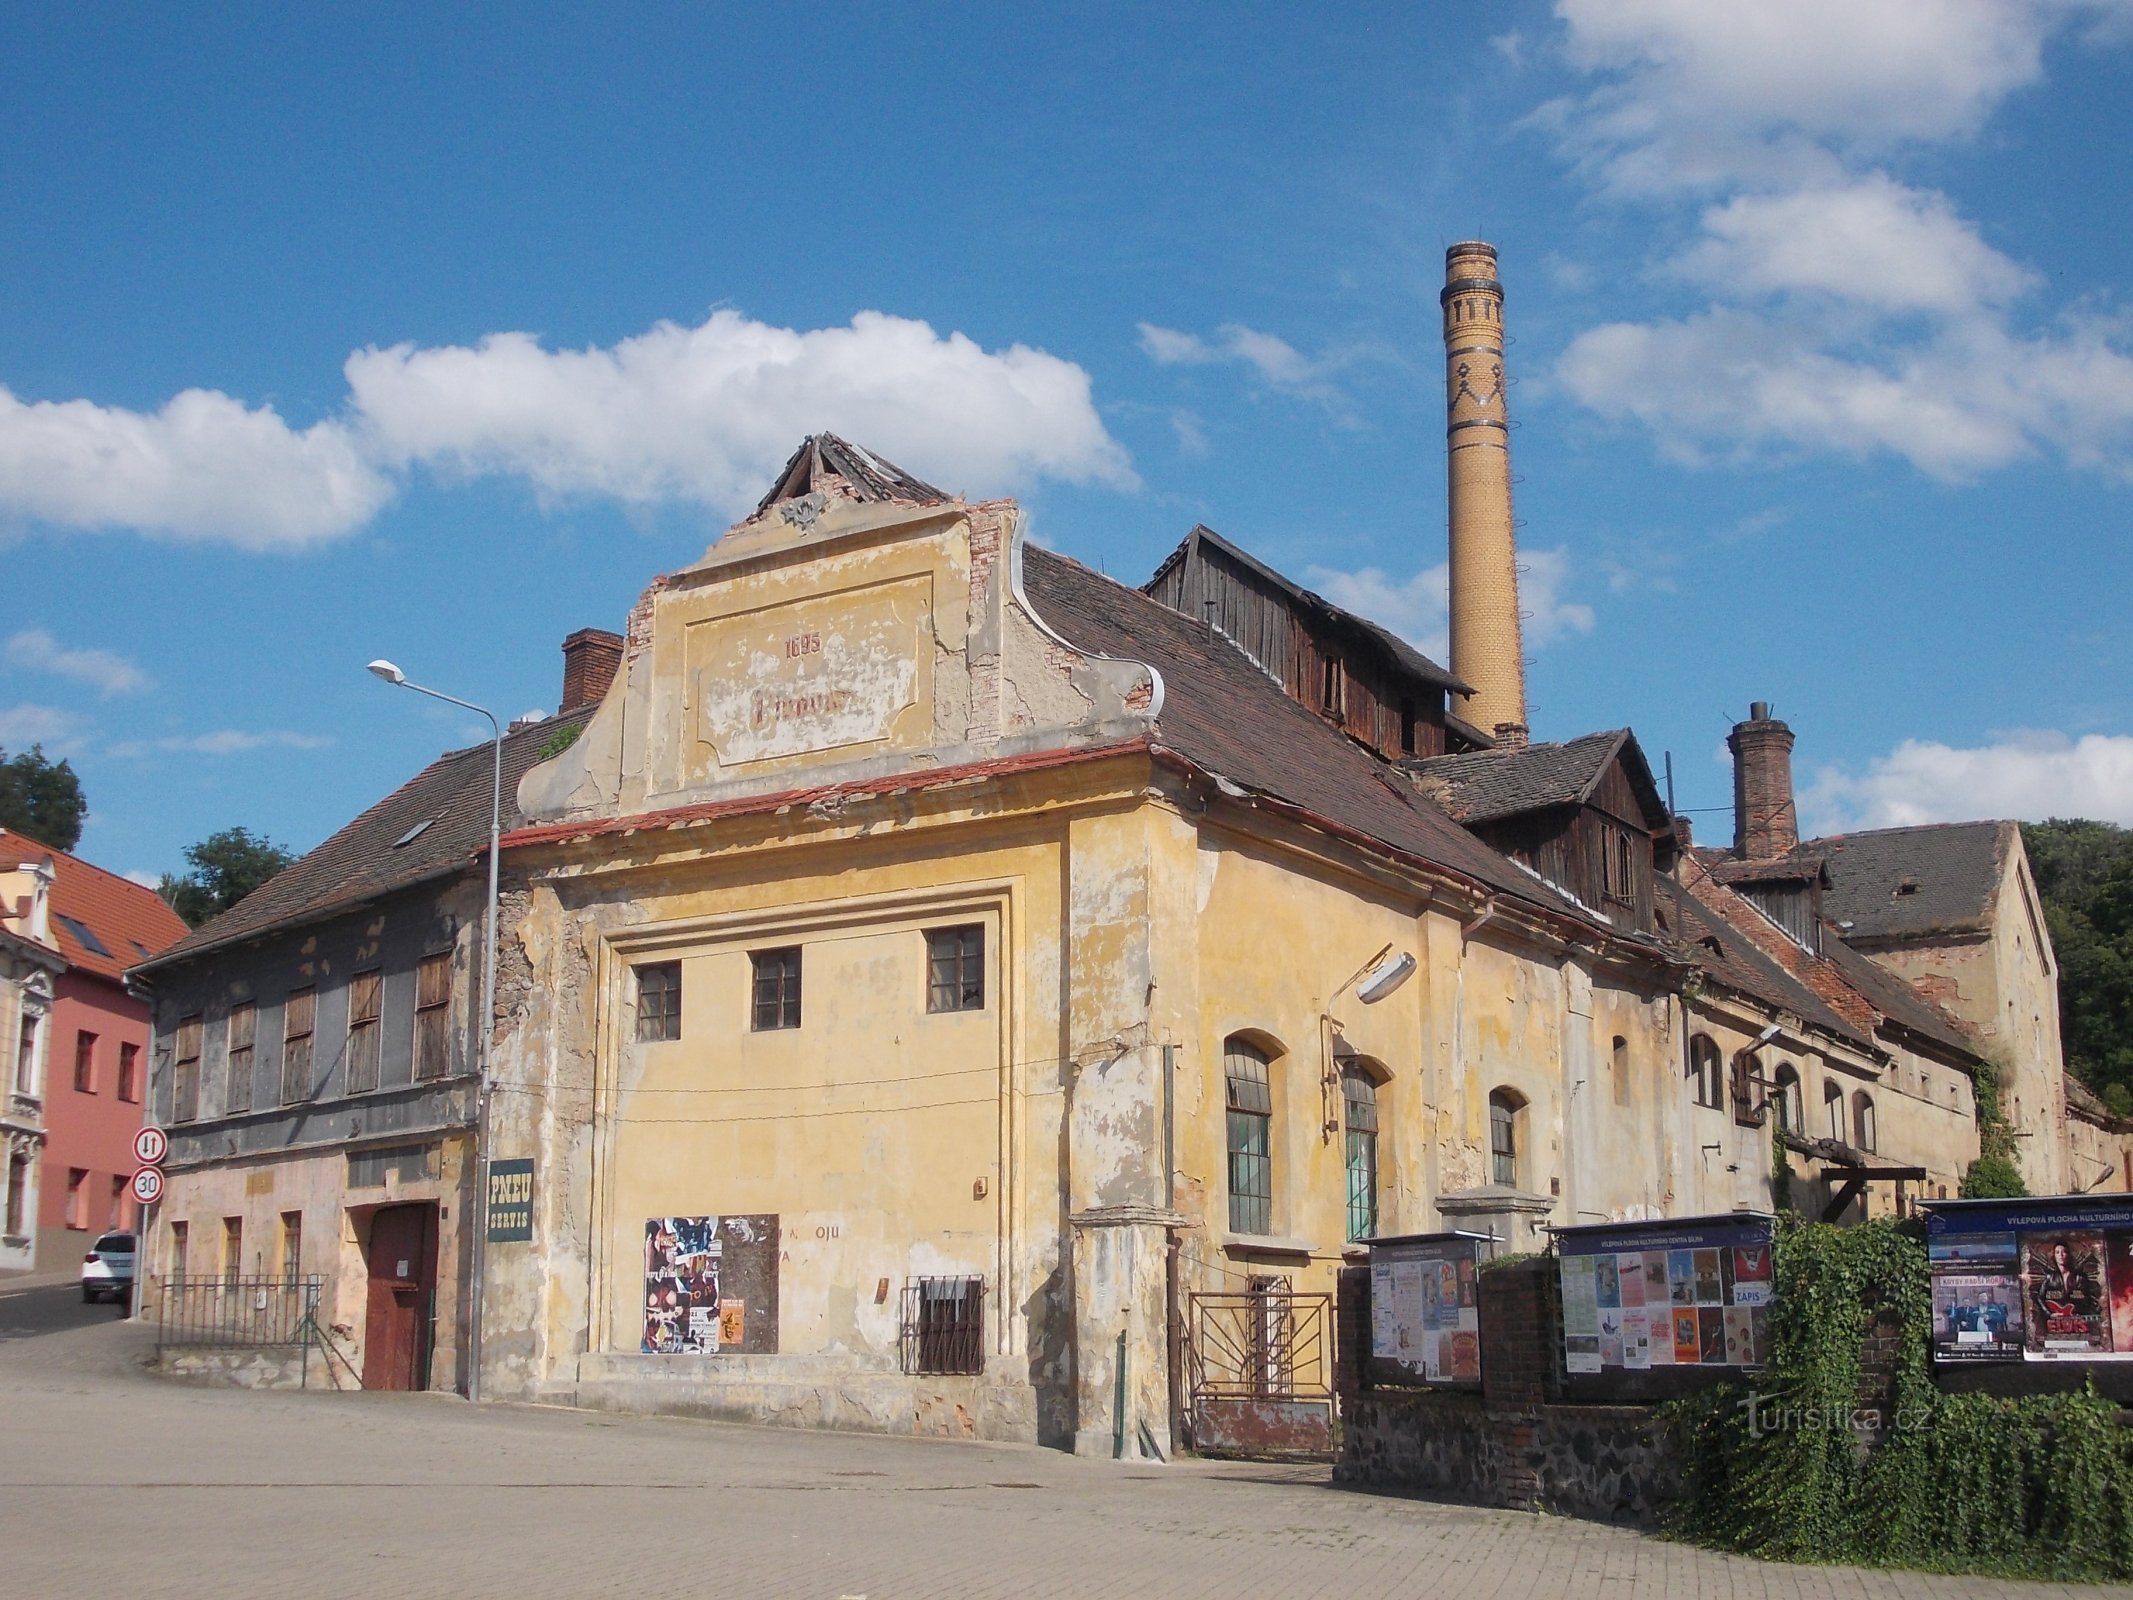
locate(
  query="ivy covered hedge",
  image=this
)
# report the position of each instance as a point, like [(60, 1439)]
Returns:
[(1808, 1467)]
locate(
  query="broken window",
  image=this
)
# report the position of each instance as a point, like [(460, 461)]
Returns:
[(1785, 1097), (185, 1071), (1618, 865), (943, 1325), (1863, 1121), (433, 1013), (365, 997), (1705, 1071), (777, 987), (237, 1079), (1250, 1099), (297, 1014), (955, 968), (658, 1002)]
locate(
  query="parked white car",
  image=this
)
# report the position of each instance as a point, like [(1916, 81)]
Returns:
[(107, 1270)]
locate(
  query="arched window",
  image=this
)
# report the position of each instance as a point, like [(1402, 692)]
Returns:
[(1621, 1070), (1785, 1097), (1863, 1121), (1504, 1106), (1833, 1111), (1706, 1071), (1245, 1067), (1359, 1100)]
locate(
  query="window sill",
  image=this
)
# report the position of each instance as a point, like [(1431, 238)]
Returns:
[(1264, 1244)]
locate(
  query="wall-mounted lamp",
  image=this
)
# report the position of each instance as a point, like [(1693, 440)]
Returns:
[(1385, 977)]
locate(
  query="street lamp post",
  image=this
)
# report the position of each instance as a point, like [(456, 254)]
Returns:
[(391, 674)]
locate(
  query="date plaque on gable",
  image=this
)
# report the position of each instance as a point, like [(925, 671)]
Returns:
[(825, 673)]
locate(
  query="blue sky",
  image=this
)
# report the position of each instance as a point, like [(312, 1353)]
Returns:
[(436, 332)]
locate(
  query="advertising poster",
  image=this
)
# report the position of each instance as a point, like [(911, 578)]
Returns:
[(1668, 1294), (1425, 1307), (2032, 1280), (681, 1285)]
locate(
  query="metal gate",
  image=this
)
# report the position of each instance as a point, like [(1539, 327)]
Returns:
[(1261, 1371)]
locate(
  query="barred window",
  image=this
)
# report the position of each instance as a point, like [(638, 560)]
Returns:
[(298, 1013), (185, 1071), (365, 997), (777, 988), (955, 968), (943, 1325), (433, 1016), (237, 1076), (1249, 1096), (659, 1001)]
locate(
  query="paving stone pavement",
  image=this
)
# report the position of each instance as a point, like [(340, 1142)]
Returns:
[(115, 1482)]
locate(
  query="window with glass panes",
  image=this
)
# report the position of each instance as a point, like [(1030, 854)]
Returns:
[(1503, 1138), (1359, 1098), (955, 968), (658, 1002), (1250, 1098), (776, 982)]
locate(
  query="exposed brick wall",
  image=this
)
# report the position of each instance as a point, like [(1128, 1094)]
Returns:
[(590, 659), (1764, 822)]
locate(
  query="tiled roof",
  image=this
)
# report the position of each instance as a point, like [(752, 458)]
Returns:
[(441, 814), (1491, 784), (104, 923), (1226, 716), (1409, 659), (1953, 870), (1734, 961), (859, 475)]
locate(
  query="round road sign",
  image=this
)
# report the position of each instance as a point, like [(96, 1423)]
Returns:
[(150, 1145), (148, 1186)]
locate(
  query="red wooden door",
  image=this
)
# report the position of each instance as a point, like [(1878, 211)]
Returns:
[(403, 1272)]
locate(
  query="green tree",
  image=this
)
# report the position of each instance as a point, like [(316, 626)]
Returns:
[(2084, 875), (226, 867), (41, 798)]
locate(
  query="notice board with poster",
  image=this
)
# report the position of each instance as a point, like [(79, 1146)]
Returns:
[(2040, 1280), (711, 1285), (1425, 1310), (1657, 1308)]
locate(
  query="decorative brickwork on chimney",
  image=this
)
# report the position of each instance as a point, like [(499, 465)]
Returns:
[(591, 657), (1764, 822)]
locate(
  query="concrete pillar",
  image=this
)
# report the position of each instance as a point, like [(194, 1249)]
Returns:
[(1121, 1325)]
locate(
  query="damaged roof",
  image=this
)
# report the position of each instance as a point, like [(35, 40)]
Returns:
[(1227, 717), (1408, 659), (1907, 883), (1487, 785), (1733, 960), (432, 826), (825, 464)]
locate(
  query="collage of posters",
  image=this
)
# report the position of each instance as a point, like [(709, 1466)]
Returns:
[(1683, 1294), (1425, 1308), (683, 1313), (2042, 1280)]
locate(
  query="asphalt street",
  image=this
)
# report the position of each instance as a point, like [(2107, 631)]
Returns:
[(116, 1481)]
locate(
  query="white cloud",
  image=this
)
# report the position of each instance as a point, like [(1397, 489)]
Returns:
[(702, 415), (1852, 313), (707, 414), (147, 880), (2026, 775), (1873, 242), (222, 742), (27, 724), (1272, 359), (205, 467), (1418, 608), (35, 650)]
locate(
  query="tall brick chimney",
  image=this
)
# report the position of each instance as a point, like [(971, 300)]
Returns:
[(1764, 822), (591, 657)]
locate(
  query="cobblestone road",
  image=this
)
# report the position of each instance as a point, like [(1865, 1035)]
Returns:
[(113, 1482)]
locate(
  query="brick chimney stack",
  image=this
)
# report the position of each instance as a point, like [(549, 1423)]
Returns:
[(1765, 825), (591, 657), (1486, 648)]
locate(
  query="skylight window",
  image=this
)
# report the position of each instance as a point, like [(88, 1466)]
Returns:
[(413, 833), (84, 935)]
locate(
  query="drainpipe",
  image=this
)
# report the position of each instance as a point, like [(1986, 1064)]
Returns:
[(1173, 1311)]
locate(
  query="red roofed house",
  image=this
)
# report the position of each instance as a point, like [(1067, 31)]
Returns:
[(96, 1052)]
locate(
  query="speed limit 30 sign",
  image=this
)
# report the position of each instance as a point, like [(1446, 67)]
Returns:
[(148, 1185)]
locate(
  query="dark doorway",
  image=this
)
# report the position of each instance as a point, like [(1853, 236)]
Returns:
[(403, 1284)]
